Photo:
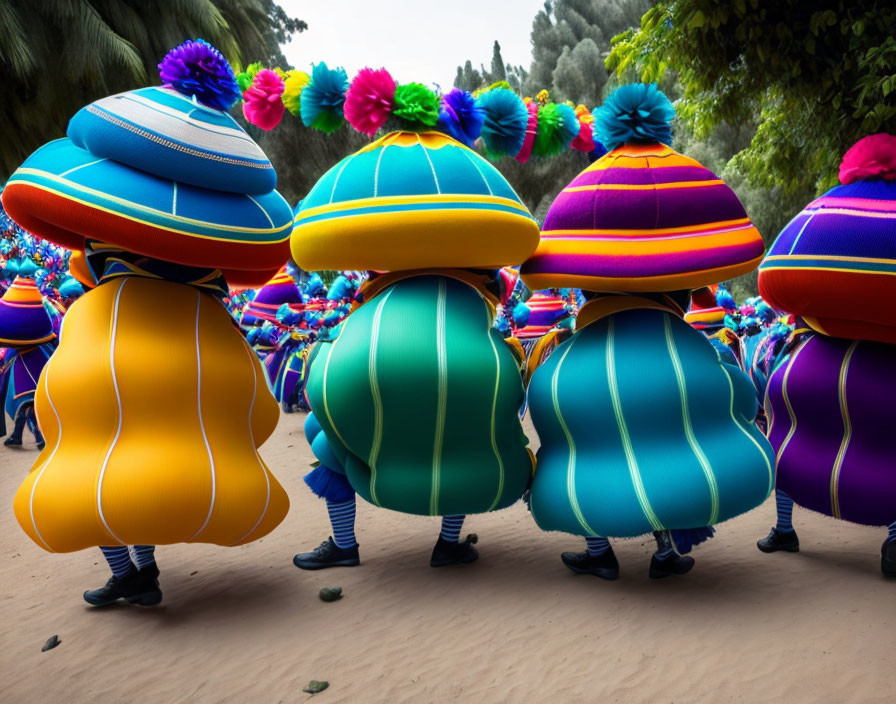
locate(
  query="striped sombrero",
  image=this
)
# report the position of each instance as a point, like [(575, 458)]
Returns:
[(161, 173), (65, 194), (834, 264), (545, 311), (23, 318), (161, 132), (704, 312), (279, 290), (644, 218), (412, 201)]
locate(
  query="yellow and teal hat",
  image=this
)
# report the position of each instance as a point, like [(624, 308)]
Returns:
[(412, 201)]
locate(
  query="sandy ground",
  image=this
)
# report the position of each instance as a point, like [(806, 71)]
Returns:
[(244, 625)]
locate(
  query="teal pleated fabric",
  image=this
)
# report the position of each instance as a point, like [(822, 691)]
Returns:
[(422, 395), (642, 429)]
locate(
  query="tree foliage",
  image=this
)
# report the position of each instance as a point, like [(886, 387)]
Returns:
[(468, 78), (569, 41), (58, 55), (814, 75)]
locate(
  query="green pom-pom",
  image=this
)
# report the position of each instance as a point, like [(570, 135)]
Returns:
[(244, 79), (557, 126), (416, 105), (328, 122)]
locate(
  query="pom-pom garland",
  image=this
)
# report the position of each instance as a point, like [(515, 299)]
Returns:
[(417, 105), (584, 140), (557, 126), (263, 100), (531, 130), (293, 85), (495, 118), (198, 70), (461, 117), (370, 100), (244, 78), (506, 119), (323, 98), (635, 113), (873, 156)]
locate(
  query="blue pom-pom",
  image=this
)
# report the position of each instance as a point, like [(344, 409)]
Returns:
[(197, 69), (461, 117), (725, 299), (506, 118), (571, 123), (638, 113), (323, 98)]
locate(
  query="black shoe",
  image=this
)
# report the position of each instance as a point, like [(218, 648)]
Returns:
[(779, 540), (888, 559), (605, 566), (135, 587), (670, 566), (13, 441), (445, 553), (327, 554), (150, 572)]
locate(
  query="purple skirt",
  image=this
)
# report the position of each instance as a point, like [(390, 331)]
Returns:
[(832, 423)]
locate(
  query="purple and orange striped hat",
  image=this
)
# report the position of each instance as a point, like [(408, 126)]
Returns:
[(643, 217), (23, 319), (834, 264)]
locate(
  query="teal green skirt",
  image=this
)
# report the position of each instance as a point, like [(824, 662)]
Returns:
[(421, 397), (642, 428)]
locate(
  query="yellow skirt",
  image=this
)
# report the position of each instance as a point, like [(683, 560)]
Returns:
[(153, 408)]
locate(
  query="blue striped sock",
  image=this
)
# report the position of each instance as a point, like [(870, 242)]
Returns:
[(891, 535), (119, 559), (342, 518), (451, 527), (143, 555), (785, 512), (597, 546)]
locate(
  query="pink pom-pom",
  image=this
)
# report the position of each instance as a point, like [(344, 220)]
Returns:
[(531, 131), (262, 103), (584, 140), (871, 157), (369, 100)]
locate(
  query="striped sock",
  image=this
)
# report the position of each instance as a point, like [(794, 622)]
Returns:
[(597, 546), (785, 512), (119, 559), (665, 546), (451, 527), (143, 555), (342, 518), (891, 535)]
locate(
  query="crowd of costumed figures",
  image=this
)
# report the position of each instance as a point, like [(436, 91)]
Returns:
[(662, 407)]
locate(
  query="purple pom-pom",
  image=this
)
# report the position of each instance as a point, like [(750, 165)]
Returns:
[(461, 117), (198, 70)]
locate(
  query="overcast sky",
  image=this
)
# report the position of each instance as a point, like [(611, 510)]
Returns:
[(415, 40)]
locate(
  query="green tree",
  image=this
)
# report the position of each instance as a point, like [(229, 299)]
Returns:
[(569, 41), (815, 76), (58, 55), (498, 72), (468, 78)]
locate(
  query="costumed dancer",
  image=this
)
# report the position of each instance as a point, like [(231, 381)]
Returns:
[(26, 329), (642, 427), (153, 405), (830, 403), (416, 394)]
